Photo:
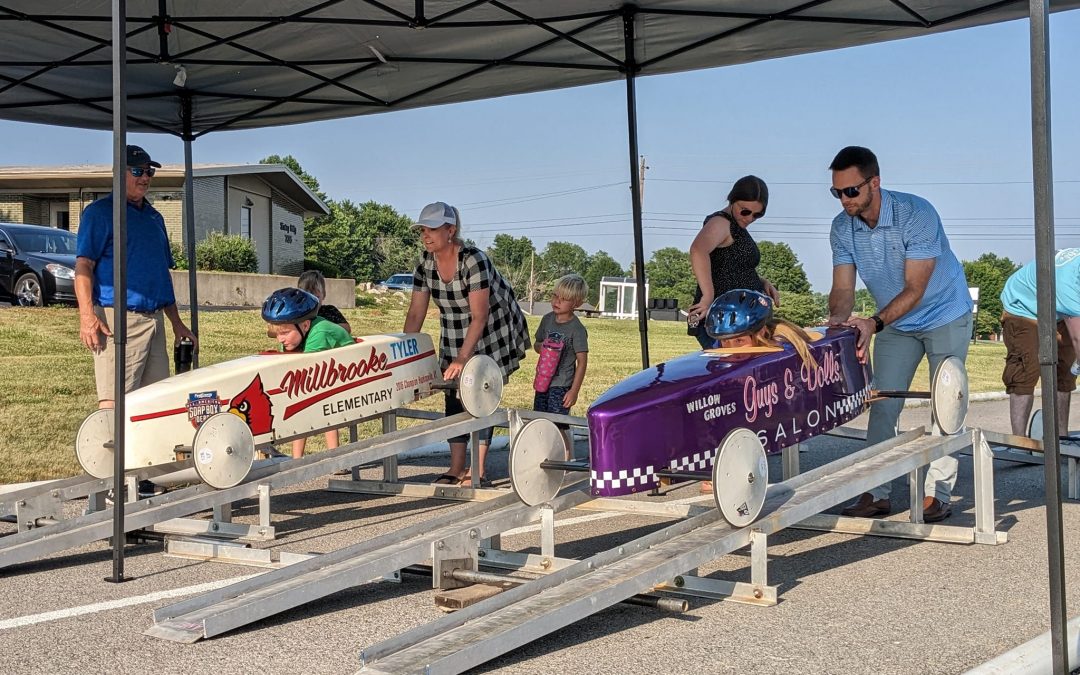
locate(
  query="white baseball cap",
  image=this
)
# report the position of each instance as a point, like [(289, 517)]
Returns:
[(437, 214)]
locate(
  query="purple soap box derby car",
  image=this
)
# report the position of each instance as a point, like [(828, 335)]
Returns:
[(716, 414)]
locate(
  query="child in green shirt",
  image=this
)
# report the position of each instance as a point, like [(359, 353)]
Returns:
[(294, 321)]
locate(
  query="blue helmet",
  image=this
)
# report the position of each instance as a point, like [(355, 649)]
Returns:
[(290, 305), (737, 313)]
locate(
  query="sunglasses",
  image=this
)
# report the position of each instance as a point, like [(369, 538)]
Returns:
[(849, 192), (747, 212), (138, 171)]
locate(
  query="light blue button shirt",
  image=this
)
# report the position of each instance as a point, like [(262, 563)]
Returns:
[(908, 228), (1018, 296)]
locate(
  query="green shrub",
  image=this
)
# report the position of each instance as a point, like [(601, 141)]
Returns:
[(226, 253), (329, 271), (179, 255)]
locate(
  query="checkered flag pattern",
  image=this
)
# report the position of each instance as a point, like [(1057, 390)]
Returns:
[(699, 461), (624, 478), (506, 337)]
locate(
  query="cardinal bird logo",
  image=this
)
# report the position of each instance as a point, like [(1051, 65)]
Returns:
[(254, 407)]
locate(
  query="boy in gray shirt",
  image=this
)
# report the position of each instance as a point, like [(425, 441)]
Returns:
[(557, 387)]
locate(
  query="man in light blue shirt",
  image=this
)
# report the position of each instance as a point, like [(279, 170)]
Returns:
[(1020, 330), (897, 245)]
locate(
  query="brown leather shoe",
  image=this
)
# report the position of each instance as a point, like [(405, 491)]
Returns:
[(867, 507), (934, 510)]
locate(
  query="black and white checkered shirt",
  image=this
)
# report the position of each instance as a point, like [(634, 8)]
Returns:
[(506, 338)]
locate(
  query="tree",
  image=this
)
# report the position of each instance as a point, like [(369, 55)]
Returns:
[(801, 309), (363, 241), (560, 257), (600, 265), (294, 166), (988, 273), (782, 268), (513, 257), (865, 305), (670, 275)]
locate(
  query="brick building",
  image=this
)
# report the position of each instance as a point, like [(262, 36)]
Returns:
[(266, 203)]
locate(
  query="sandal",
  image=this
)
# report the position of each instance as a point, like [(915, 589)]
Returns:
[(447, 479)]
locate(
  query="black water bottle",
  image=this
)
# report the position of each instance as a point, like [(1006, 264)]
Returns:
[(183, 353)]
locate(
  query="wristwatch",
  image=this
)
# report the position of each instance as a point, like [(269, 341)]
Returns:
[(879, 325)]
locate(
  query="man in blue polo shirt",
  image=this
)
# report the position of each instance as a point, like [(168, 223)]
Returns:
[(897, 245), (150, 295), (1020, 330)]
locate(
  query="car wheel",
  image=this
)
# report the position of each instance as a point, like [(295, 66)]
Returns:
[(28, 291)]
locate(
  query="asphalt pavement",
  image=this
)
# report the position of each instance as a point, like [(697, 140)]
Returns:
[(848, 604)]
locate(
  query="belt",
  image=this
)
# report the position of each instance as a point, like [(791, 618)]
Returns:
[(148, 313)]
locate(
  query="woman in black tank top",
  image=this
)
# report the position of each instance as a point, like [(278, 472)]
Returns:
[(724, 256)]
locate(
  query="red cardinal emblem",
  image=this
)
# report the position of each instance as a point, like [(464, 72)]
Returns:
[(254, 407)]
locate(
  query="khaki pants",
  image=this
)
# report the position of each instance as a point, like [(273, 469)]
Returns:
[(146, 357)]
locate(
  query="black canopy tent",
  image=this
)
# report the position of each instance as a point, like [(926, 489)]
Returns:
[(189, 68)]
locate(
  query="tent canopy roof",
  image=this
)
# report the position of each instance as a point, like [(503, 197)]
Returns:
[(254, 63)]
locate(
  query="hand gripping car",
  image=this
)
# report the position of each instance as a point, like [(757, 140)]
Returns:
[(715, 415), (217, 415)]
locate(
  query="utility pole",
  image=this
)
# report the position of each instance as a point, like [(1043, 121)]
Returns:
[(532, 279)]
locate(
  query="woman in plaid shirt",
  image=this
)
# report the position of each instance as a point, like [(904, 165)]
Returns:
[(478, 314)]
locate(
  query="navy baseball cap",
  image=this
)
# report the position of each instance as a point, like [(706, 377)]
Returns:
[(136, 156)]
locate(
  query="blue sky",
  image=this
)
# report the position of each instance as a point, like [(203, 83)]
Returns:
[(948, 116)]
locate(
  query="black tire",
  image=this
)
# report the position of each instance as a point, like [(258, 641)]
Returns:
[(28, 292)]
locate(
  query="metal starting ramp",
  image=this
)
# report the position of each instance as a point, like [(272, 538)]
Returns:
[(450, 540), (516, 617), (46, 539)]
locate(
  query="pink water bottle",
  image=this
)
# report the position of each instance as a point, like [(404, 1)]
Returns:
[(550, 352)]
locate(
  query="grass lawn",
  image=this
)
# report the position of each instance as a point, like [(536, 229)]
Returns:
[(49, 379)]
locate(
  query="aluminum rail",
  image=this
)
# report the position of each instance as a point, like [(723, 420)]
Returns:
[(274, 592), (516, 617), (1034, 657), (36, 543)]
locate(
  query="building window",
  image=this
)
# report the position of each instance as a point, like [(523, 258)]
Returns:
[(63, 220), (245, 222)]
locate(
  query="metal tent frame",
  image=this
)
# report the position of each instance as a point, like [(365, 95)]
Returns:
[(189, 68)]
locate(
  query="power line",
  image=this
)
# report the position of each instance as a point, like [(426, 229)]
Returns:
[(934, 182)]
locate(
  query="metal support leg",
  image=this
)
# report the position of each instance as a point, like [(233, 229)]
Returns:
[(264, 505), (131, 485), (457, 552), (390, 465), (1074, 479), (759, 561), (983, 458), (916, 481), (223, 513), (547, 531), (474, 459), (493, 543), (95, 502), (790, 459)]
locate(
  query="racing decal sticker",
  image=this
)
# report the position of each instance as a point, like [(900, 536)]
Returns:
[(253, 405), (201, 406)]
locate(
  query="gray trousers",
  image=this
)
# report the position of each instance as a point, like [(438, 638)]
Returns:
[(896, 356)]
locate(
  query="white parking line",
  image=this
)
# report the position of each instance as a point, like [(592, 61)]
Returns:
[(31, 619), (596, 516)]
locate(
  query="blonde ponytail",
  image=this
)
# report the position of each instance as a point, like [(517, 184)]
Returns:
[(782, 329)]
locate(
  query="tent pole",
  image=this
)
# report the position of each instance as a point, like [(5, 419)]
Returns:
[(119, 327), (189, 220), (1043, 183), (635, 180)]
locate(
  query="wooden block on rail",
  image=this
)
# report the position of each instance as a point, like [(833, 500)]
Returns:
[(460, 598)]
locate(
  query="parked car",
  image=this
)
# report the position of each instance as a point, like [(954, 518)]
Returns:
[(37, 265), (398, 282)]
